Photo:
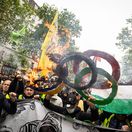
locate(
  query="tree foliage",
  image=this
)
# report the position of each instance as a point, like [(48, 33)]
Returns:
[(18, 14), (13, 16), (125, 44)]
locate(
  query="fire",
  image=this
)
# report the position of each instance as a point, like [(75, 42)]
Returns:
[(31, 76)]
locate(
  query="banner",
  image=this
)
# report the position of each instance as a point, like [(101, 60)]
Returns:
[(32, 116)]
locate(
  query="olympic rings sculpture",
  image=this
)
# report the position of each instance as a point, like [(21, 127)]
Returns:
[(62, 71)]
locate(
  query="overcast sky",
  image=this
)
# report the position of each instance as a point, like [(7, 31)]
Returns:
[(101, 20)]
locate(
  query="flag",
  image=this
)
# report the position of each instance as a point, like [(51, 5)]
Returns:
[(44, 63), (51, 45), (121, 104)]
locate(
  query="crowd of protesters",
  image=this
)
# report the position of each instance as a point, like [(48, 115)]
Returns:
[(67, 102)]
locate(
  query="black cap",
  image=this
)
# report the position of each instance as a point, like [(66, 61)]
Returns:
[(71, 99)]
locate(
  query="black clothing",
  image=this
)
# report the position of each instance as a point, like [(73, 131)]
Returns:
[(7, 105), (78, 114), (47, 129), (85, 105), (16, 86)]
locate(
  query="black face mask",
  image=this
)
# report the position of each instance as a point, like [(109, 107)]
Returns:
[(71, 103), (71, 99)]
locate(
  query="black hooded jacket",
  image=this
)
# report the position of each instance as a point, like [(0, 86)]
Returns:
[(78, 114), (7, 105)]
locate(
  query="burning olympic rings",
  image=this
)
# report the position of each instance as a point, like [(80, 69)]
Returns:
[(78, 57), (108, 76)]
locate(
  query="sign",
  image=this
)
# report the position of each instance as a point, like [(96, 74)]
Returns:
[(32, 116)]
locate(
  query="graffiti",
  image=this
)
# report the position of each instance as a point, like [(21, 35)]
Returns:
[(29, 127), (21, 108), (51, 121)]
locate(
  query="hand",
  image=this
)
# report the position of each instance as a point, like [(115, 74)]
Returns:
[(36, 96), (90, 103), (48, 96), (13, 96), (91, 98), (125, 128), (19, 77)]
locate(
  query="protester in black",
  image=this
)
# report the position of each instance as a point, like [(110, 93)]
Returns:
[(9, 106), (72, 109)]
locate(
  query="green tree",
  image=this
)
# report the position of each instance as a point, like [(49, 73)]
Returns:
[(17, 18), (13, 16), (125, 44), (66, 21)]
